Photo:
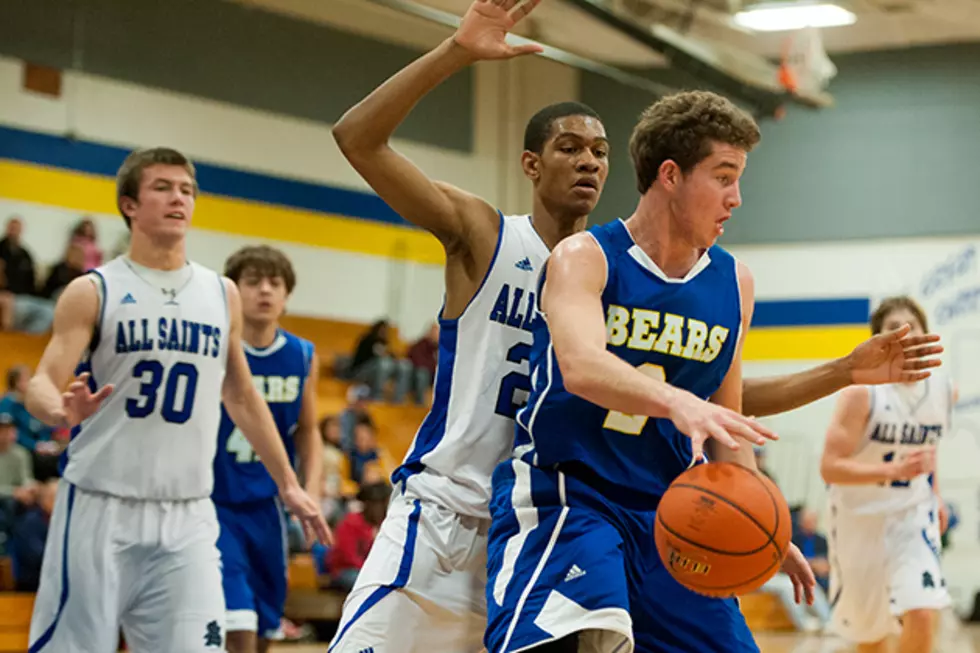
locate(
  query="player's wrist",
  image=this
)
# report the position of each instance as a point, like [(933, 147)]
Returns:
[(842, 370), (456, 53)]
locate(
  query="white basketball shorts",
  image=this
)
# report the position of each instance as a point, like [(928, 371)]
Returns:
[(882, 566), (421, 589), (150, 567)]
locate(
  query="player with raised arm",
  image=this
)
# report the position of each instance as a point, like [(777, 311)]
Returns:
[(132, 539), (435, 600), (887, 516), (253, 539)]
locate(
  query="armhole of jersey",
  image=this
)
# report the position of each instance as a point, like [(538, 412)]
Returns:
[(308, 349), (741, 310), (224, 296), (483, 282), (605, 258), (101, 292)]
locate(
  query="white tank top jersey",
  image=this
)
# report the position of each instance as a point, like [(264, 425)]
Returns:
[(481, 380), (154, 437), (903, 418)]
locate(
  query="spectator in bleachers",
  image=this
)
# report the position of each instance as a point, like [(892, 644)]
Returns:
[(17, 487), (30, 533), (356, 411), (374, 363), (84, 237), (814, 547), (422, 356), (335, 467), (64, 272), (366, 452), (355, 534), (32, 434), (31, 313)]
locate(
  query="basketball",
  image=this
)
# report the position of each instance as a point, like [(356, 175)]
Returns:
[(722, 529)]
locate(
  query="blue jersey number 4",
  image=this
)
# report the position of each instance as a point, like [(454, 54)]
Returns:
[(178, 392)]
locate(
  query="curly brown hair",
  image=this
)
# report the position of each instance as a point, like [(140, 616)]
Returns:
[(130, 174), (682, 127), (262, 260), (893, 304)]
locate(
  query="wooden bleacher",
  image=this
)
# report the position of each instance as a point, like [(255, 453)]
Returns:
[(15, 620)]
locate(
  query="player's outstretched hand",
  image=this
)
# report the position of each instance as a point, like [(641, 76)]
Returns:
[(78, 402), (302, 506), (798, 569), (699, 420), (915, 464), (483, 30), (894, 357)]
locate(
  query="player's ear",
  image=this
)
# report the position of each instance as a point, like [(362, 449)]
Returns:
[(531, 164), (669, 174), (127, 205)]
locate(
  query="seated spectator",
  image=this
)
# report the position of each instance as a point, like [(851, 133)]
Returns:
[(366, 453), (31, 314), (814, 548), (84, 237), (417, 378), (32, 434), (356, 411), (374, 363), (336, 467), (30, 533), (64, 272), (355, 534), (17, 486)]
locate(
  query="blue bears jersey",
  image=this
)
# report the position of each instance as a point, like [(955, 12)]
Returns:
[(280, 372), (684, 331)]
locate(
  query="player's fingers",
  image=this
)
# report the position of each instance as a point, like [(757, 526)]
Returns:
[(910, 377), (506, 5), (756, 426), (525, 9), (103, 392), (697, 444), (721, 434), (915, 341), (920, 363), (530, 48), (920, 351), (322, 531), (901, 331), (797, 588)]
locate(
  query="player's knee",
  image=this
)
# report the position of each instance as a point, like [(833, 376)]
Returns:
[(568, 644), (920, 621), (240, 641)]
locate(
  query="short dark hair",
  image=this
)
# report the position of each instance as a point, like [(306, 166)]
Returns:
[(130, 174), (681, 128), (538, 128), (893, 304), (375, 492), (265, 261)]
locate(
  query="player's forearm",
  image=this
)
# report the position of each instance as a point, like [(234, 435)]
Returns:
[(778, 394), (852, 472), (43, 400), (311, 459), (251, 414), (371, 123), (745, 455), (606, 380)]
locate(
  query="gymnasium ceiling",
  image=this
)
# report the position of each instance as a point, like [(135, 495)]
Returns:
[(574, 26)]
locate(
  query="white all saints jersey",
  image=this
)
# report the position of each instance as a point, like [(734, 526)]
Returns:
[(154, 437), (903, 418), (481, 380)]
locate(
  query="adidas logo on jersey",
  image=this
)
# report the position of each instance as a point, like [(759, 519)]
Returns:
[(573, 573), (524, 264), (128, 299)]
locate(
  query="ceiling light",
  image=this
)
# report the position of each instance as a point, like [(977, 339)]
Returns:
[(777, 17)]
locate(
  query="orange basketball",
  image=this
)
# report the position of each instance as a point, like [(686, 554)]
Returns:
[(722, 529)]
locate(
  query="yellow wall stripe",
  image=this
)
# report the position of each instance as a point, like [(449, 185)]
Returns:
[(89, 193), (802, 343)]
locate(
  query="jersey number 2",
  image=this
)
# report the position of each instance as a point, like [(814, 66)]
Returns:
[(178, 394), (633, 424), (514, 381)]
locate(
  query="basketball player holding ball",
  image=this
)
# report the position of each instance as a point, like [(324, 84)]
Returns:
[(636, 368), (879, 460)]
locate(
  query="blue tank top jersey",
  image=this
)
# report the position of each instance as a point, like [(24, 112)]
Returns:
[(280, 372), (684, 331)]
